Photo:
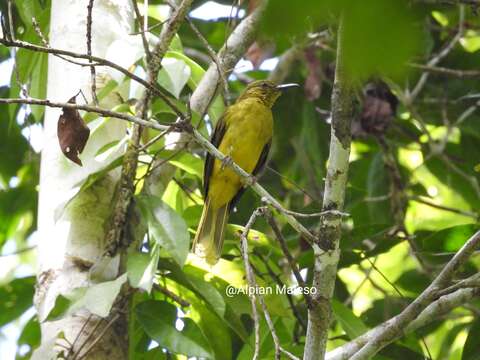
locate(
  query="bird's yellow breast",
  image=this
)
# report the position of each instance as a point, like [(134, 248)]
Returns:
[(249, 127)]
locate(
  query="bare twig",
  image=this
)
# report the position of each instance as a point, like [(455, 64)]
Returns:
[(443, 207), (251, 278), (447, 71), (437, 58), (171, 295), (99, 62), (19, 251), (214, 58), (253, 294), (98, 337), (93, 80), (88, 108), (392, 329), (283, 244), (114, 234), (432, 312), (142, 32)]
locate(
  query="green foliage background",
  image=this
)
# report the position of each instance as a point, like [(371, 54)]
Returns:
[(381, 37)]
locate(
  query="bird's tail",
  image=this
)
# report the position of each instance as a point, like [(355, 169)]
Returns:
[(208, 241)]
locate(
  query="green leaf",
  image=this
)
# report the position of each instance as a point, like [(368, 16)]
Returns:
[(30, 336), (141, 268), (378, 185), (83, 185), (10, 138), (173, 75), (97, 299), (193, 279), (352, 324), (166, 226), (197, 72), (470, 349), (16, 298), (158, 319), (189, 163)]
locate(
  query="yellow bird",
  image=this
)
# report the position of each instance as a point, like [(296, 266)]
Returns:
[(244, 134)]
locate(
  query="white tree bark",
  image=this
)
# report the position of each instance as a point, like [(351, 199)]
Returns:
[(71, 245)]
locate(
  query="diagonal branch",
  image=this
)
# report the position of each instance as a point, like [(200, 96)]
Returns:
[(432, 312), (234, 48), (195, 136), (114, 236), (393, 329), (156, 90)]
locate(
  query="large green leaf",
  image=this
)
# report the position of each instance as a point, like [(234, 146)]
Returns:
[(166, 226), (97, 299), (17, 297), (352, 324), (30, 336), (141, 268), (174, 75), (13, 146), (158, 319), (470, 349)]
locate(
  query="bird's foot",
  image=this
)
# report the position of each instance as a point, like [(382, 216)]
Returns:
[(251, 180), (226, 161)]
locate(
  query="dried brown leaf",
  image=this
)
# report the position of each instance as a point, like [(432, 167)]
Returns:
[(72, 133)]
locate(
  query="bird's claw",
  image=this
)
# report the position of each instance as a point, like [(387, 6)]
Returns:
[(226, 161), (251, 180)]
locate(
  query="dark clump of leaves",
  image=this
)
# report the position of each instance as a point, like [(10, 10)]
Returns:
[(72, 133), (379, 36), (378, 110)]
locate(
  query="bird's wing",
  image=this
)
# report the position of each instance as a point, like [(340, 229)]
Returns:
[(262, 161), (216, 139)]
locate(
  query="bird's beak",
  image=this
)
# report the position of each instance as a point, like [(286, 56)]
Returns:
[(286, 86)]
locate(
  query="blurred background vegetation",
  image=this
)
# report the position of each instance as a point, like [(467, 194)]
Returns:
[(413, 193)]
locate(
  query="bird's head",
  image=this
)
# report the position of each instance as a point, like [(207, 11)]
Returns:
[(264, 90)]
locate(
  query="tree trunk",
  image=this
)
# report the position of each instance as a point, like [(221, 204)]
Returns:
[(71, 238)]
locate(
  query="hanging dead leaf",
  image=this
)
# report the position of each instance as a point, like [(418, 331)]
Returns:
[(379, 108), (72, 133), (313, 82), (260, 51)]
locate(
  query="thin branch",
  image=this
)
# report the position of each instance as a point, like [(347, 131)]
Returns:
[(98, 337), (422, 200), (279, 281), (283, 244), (171, 295), (19, 251), (432, 312), (437, 58), (88, 108), (214, 58), (93, 80), (251, 278), (142, 30), (253, 294), (194, 135), (462, 74), (99, 62), (470, 178), (114, 234), (249, 180), (235, 46), (392, 329)]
